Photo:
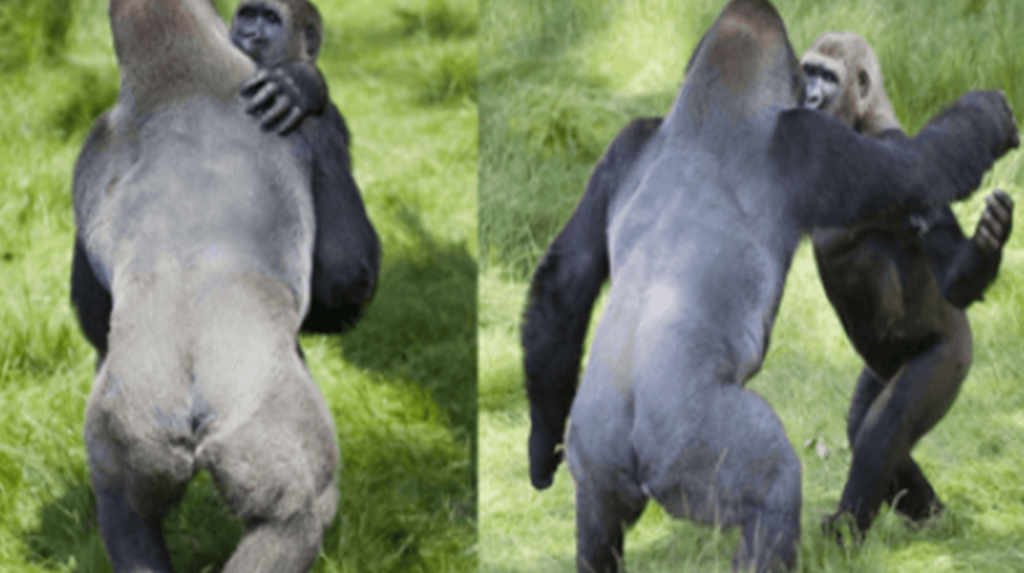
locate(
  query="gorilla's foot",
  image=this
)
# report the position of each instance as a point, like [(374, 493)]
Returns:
[(915, 508), (912, 496), (770, 543)]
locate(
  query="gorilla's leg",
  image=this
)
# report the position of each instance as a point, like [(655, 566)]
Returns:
[(869, 387), (134, 542), (271, 448), (909, 488), (916, 398), (727, 462), (602, 515), (139, 452), (913, 495), (600, 455)]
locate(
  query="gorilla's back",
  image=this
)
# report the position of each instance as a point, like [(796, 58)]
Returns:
[(207, 191)]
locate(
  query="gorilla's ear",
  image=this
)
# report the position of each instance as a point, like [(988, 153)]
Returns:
[(312, 42), (863, 82)]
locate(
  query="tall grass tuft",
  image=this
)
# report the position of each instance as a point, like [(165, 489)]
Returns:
[(33, 29)]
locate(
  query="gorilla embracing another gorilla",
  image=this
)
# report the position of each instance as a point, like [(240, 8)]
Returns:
[(202, 244), (900, 291), (695, 218)]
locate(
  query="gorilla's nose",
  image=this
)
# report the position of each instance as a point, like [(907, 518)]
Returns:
[(813, 100)]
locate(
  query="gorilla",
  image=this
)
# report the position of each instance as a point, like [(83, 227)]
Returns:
[(286, 91), (283, 38), (900, 291), (695, 218), (197, 252)]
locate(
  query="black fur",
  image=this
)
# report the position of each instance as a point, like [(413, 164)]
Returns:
[(562, 294), (900, 291)]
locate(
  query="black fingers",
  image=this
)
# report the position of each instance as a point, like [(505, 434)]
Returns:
[(253, 82), (996, 222), (262, 97), (276, 111), (290, 122)]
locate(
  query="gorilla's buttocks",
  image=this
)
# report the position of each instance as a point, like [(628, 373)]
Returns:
[(199, 228), (695, 218)]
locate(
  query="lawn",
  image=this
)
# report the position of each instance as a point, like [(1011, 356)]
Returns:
[(401, 385), (558, 80)]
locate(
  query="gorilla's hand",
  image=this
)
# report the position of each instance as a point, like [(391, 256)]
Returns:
[(995, 224), (282, 96), (545, 455), (994, 107)]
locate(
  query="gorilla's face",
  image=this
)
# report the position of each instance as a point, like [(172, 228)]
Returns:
[(822, 86), (260, 30)]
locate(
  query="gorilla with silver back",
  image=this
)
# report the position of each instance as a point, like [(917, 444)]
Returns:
[(900, 291), (695, 217), (286, 92), (201, 228)]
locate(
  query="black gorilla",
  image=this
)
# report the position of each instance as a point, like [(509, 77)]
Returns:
[(695, 218), (900, 291), (198, 241), (283, 37), (286, 91)]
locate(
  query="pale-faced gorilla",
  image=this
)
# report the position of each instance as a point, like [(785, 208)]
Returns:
[(283, 37), (695, 218), (900, 291), (201, 231)]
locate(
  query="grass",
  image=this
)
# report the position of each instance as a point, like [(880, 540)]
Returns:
[(559, 79), (401, 385)]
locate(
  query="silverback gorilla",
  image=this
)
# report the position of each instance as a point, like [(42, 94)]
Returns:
[(900, 291), (200, 230), (695, 217), (286, 89)]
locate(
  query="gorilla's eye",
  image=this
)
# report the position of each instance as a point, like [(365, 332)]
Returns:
[(829, 76)]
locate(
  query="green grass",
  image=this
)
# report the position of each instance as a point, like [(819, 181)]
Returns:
[(401, 385), (559, 79)]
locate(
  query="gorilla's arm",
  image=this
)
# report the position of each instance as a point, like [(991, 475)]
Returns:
[(562, 295), (966, 267), (838, 177), (346, 253), (91, 300), (283, 95)]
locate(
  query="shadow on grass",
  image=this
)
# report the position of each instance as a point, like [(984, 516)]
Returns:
[(422, 325), (201, 532)]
